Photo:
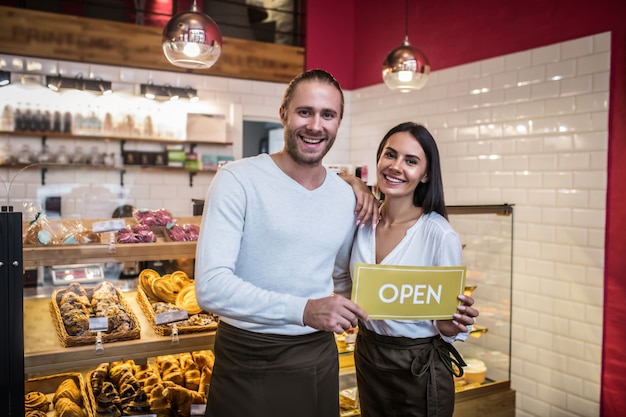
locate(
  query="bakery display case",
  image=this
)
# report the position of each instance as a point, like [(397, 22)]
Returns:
[(486, 235)]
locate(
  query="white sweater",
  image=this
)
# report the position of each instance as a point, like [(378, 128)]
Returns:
[(431, 241), (267, 245)]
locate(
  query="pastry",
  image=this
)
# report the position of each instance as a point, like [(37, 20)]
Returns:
[(164, 289), (138, 404), (35, 413), (106, 407), (69, 390), (68, 408), (205, 380), (158, 403), (204, 358), (180, 279), (186, 300), (181, 399), (170, 370), (146, 277), (192, 378), (36, 401)]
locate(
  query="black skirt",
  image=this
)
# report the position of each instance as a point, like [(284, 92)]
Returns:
[(268, 375)]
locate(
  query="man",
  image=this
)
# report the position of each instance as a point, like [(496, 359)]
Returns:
[(273, 263)]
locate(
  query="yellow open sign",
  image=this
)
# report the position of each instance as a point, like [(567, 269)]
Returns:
[(394, 292)]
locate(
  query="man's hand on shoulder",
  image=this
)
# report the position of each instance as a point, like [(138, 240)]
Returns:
[(367, 205)]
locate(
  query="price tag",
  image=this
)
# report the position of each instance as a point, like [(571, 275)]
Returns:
[(171, 317), (112, 225), (198, 409), (98, 324)]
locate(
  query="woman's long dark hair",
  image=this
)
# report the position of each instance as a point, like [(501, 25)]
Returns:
[(428, 195)]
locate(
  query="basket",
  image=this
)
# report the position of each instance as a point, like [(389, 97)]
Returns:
[(68, 340), (49, 384), (163, 329)]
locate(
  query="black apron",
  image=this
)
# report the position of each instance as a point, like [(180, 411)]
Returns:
[(268, 375), (404, 377)]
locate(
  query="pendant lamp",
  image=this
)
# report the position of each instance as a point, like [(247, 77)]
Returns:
[(192, 39), (406, 68)]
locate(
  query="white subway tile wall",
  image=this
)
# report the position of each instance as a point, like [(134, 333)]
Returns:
[(528, 129)]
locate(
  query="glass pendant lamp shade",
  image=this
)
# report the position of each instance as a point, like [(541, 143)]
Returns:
[(406, 68), (192, 39)]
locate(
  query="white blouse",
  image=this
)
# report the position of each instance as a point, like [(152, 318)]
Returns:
[(431, 241)]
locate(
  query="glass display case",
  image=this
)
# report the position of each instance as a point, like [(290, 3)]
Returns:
[(486, 233)]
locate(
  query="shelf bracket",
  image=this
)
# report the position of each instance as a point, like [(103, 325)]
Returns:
[(122, 143), (44, 170), (192, 147), (122, 173), (191, 175)]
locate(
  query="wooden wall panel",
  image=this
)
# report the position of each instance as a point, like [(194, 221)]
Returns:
[(56, 36)]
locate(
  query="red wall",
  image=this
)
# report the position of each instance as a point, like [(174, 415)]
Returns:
[(351, 38)]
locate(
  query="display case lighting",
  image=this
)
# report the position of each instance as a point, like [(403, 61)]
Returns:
[(153, 91), (5, 78), (57, 82)]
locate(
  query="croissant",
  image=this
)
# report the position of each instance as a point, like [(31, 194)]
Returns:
[(205, 380), (158, 401), (181, 399), (139, 405), (186, 360), (67, 408), (68, 389), (176, 377), (204, 358), (105, 407), (192, 378)]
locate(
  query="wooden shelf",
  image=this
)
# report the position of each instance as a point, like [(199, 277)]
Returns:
[(35, 256), (44, 354), (104, 136)]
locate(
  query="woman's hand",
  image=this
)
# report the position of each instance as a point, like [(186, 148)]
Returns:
[(464, 317), (367, 206)]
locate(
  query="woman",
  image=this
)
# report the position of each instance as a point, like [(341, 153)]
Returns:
[(405, 368)]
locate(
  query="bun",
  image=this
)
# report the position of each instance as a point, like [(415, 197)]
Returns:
[(36, 401), (35, 413)]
